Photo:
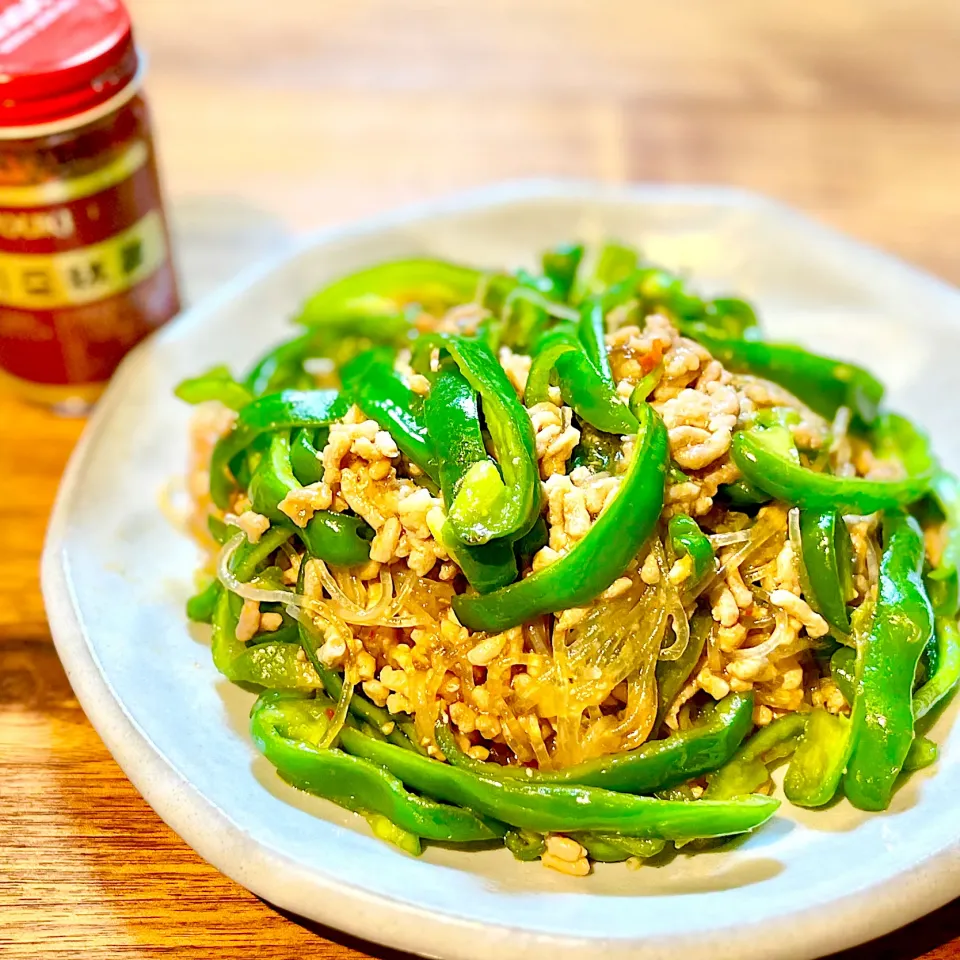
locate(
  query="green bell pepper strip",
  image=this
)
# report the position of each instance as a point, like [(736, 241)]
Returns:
[(942, 581), (656, 765), (549, 807), (828, 565), (599, 558), (733, 316), (592, 330), (276, 411), (272, 478), (816, 769), (662, 290), (379, 391), (216, 384), (922, 753), (487, 567), (384, 291), (741, 493), (269, 663), (485, 507), (616, 262), (673, 674), (688, 540), (601, 452), (305, 455), (336, 538), (747, 771), (201, 605), (534, 540), (453, 423), (286, 728), (786, 480), (560, 265), (560, 339), (604, 848), (526, 311), (946, 676), (525, 845), (882, 711), (822, 383), (282, 367), (219, 530), (843, 670), (581, 387), (386, 830), (248, 556)]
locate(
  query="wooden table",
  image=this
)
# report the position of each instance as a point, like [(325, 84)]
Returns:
[(278, 117)]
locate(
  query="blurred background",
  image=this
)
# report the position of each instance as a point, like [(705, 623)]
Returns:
[(298, 114)]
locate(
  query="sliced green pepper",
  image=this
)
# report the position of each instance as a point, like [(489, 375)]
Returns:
[(383, 292), (617, 262), (305, 455), (286, 729), (747, 771), (525, 845), (787, 480), (947, 674), (282, 367), (560, 265), (601, 452), (817, 766), (453, 423), (487, 507), (379, 391), (546, 808), (604, 848), (688, 540), (599, 558), (268, 663), (882, 711), (942, 581), (828, 565), (922, 753), (200, 606), (216, 384), (655, 766), (593, 335), (581, 386), (276, 411), (337, 538), (843, 670)]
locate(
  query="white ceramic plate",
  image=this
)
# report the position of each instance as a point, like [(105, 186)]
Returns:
[(115, 576)]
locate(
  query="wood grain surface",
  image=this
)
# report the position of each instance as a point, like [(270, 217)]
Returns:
[(274, 118)]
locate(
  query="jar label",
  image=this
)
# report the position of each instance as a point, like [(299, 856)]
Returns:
[(85, 270), (46, 281)]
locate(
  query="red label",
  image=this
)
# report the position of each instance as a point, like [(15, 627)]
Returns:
[(85, 271)]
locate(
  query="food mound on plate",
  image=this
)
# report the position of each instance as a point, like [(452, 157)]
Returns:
[(570, 559)]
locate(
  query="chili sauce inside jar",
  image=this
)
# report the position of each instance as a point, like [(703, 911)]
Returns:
[(85, 266)]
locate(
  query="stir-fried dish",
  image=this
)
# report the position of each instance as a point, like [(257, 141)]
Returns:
[(570, 560)]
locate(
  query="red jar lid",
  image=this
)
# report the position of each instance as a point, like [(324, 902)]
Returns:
[(62, 58)]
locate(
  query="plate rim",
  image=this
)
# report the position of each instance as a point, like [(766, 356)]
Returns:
[(373, 917)]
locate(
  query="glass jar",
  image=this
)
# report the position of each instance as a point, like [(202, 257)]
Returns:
[(85, 267)]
